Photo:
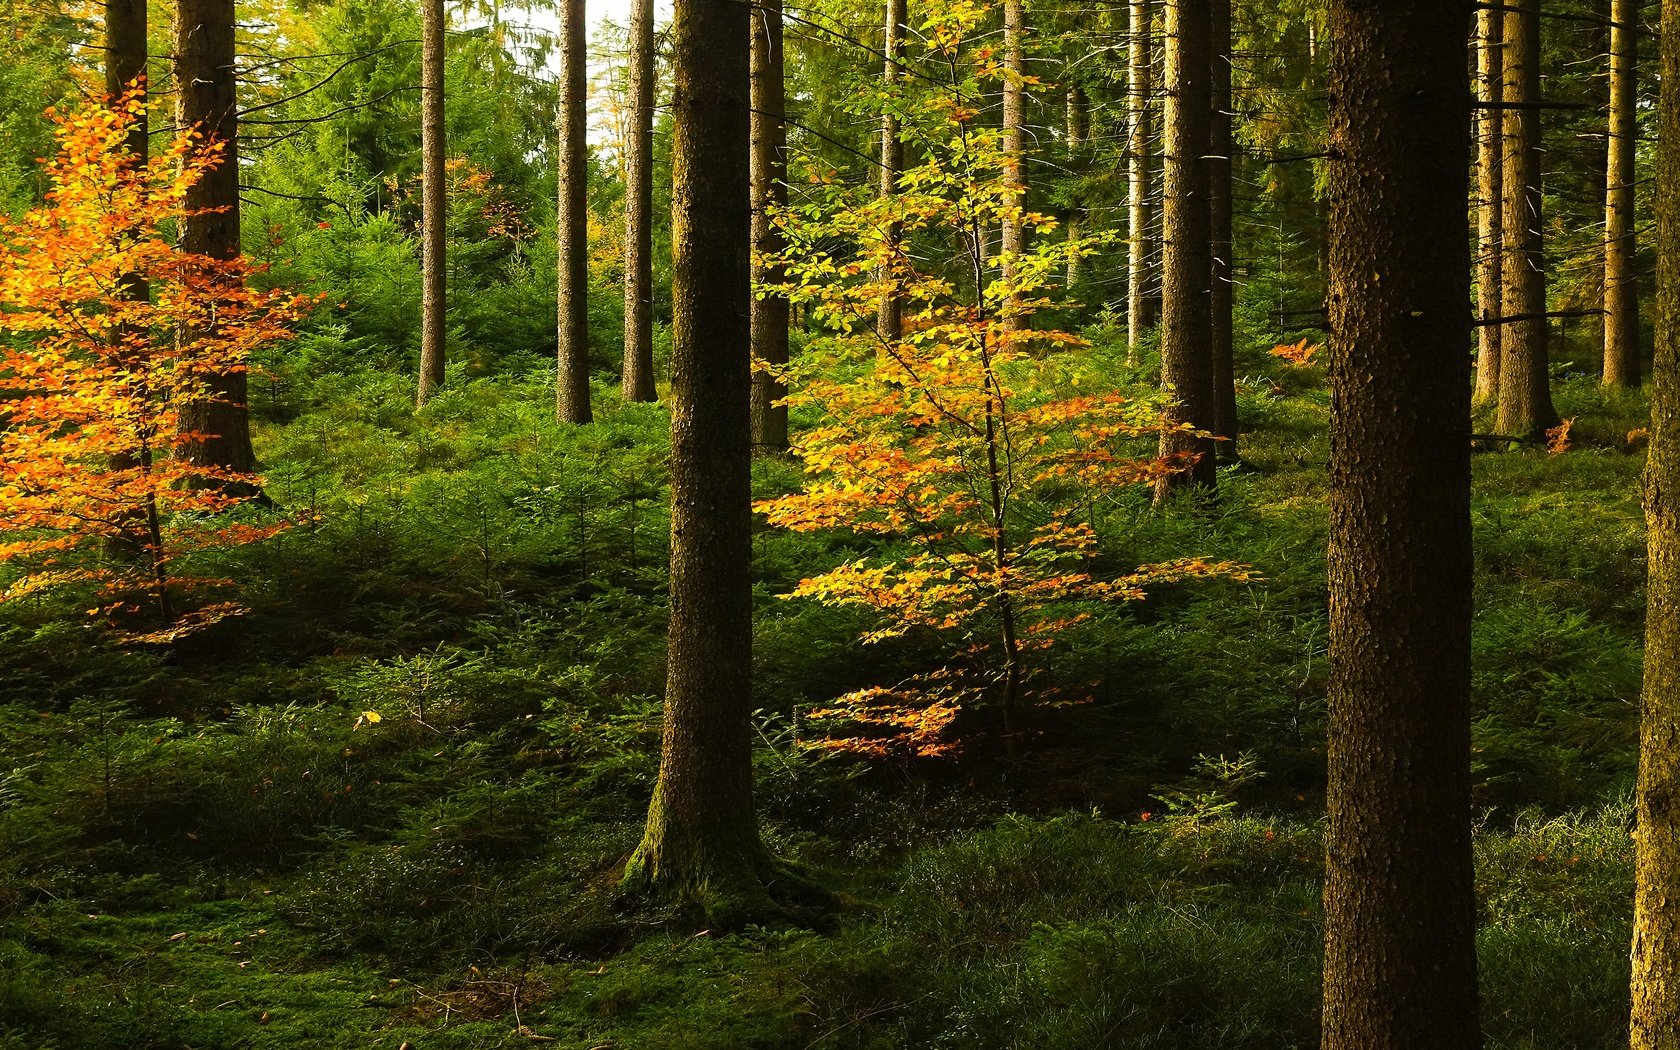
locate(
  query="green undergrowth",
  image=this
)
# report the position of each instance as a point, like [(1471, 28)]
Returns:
[(389, 803)]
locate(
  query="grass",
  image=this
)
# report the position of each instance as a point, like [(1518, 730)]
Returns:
[(203, 848)]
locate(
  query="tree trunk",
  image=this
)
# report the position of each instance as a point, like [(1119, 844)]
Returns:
[(1399, 906), (1014, 236), (1525, 395), (1490, 241), (205, 99), (889, 321), (769, 190), (702, 843), (126, 51), (572, 221), (1621, 286), (1222, 165), (1140, 174), (1079, 143), (638, 211), (1656, 895), (1186, 234), (434, 202)]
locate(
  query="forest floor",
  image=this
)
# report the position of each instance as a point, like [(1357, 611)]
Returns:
[(215, 845)]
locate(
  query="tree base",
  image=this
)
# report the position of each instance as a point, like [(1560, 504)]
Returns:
[(726, 889)]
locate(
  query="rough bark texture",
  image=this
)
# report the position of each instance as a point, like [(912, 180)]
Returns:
[(434, 201), (1221, 168), (638, 211), (1490, 240), (889, 321), (702, 837), (1014, 234), (1656, 895), (1186, 233), (1399, 956), (205, 99), (1621, 287), (1140, 173), (1525, 394), (572, 222), (769, 190)]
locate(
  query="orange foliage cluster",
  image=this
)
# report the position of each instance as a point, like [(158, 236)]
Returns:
[(94, 374), (957, 443), (1300, 353)]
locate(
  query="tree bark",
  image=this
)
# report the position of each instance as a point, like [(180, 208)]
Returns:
[(1222, 165), (434, 202), (1490, 241), (638, 211), (126, 51), (1186, 236), (572, 221), (1014, 235), (701, 842), (1656, 895), (1525, 395), (1140, 173), (1079, 143), (1399, 956), (769, 191), (206, 100), (1621, 286), (889, 321)]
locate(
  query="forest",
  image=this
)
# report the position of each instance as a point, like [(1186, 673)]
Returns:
[(958, 524)]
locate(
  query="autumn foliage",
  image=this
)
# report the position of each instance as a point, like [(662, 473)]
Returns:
[(965, 446), (107, 332)]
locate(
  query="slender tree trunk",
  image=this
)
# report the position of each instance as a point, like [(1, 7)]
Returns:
[(638, 211), (1656, 895), (1014, 236), (1222, 165), (434, 201), (1140, 174), (1490, 240), (769, 190), (1621, 287), (126, 51), (1525, 395), (702, 840), (1079, 143), (1400, 952), (1186, 234), (889, 321), (572, 222), (206, 99)]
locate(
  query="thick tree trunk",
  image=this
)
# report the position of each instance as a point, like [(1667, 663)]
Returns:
[(702, 840), (1490, 240), (1186, 235), (434, 201), (1525, 394), (1140, 173), (1656, 895), (638, 211), (769, 190), (1400, 953), (1222, 165), (1014, 235), (889, 321), (206, 99), (572, 222), (1621, 288), (126, 51)]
